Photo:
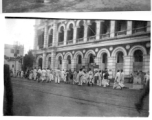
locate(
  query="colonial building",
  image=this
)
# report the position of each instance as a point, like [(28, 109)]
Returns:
[(13, 56), (111, 44)]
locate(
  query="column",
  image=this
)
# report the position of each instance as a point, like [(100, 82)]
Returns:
[(53, 61), (111, 65), (73, 64), (85, 33), (75, 35), (65, 36), (46, 35), (112, 28), (129, 27), (35, 39), (55, 34), (148, 26), (98, 30), (128, 65), (44, 61), (146, 63), (64, 64)]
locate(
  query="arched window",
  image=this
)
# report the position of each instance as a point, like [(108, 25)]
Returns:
[(91, 58), (40, 39), (60, 60), (79, 59), (40, 63), (50, 38), (80, 30), (119, 57), (69, 59), (70, 32), (104, 58), (61, 35), (138, 56), (92, 29)]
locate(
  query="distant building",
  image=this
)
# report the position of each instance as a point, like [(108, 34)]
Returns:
[(13, 56), (111, 44)]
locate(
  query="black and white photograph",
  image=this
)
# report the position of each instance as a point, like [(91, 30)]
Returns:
[(76, 67), (26, 6)]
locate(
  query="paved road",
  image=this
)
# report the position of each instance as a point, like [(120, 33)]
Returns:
[(50, 99), (76, 5)]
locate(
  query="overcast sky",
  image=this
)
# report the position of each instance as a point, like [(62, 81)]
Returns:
[(20, 30)]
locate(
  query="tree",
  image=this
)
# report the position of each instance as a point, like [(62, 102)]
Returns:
[(28, 61)]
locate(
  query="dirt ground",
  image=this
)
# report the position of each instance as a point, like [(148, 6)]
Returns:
[(76, 5)]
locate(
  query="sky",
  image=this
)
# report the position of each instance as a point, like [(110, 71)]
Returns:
[(21, 31)]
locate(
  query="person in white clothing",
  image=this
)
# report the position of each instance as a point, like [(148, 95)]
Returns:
[(39, 74), (22, 74), (57, 79), (48, 75), (43, 75), (117, 81), (34, 73), (122, 79)]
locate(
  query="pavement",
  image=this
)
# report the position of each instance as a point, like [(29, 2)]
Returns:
[(76, 5), (31, 98)]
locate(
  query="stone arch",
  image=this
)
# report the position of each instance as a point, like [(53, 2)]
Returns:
[(137, 47), (68, 25), (104, 50), (50, 30), (77, 23), (89, 52), (68, 54), (58, 55), (78, 53), (37, 60), (61, 25), (117, 50), (49, 55)]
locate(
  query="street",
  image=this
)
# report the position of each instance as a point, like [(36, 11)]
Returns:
[(76, 5), (49, 99)]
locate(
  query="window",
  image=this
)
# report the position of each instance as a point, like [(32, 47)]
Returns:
[(79, 59), (138, 56)]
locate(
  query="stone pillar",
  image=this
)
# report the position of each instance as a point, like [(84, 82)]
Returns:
[(75, 35), (84, 61), (55, 34), (64, 64), (44, 61), (128, 65), (148, 26), (129, 27), (73, 64), (98, 30), (111, 65), (85, 33), (146, 63), (35, 39), (65, 36), (53, 61), (46, 35), (112, 28)]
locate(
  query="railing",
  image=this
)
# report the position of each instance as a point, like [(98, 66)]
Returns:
[(140, 29), (70, 42), (79, 40), (60, 43), (107, 35), (119, 33), (91, 38)]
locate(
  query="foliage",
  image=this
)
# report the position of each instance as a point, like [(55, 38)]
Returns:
[(28, 61)]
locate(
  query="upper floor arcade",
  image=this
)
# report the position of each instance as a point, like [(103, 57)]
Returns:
[(68, 32)]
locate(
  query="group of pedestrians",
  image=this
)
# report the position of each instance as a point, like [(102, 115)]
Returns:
[(81, 77)]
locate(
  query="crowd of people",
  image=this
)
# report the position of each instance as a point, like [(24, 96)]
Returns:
[(89, 77)]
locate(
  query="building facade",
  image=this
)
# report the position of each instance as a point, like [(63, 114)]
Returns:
[(13, 56), (111, 44)]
